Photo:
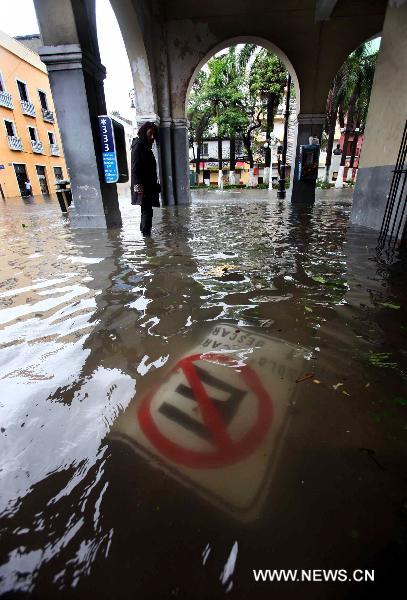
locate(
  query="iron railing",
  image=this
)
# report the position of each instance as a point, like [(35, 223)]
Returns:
[(27, 108), (394, 219), (47, 115), (37, 147), (15, 143), (6, 100), (54, 149)]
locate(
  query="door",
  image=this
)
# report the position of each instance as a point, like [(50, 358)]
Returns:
[(42, 179), (21, 174)]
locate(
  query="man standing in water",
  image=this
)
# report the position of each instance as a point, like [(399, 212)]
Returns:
[(145, 188)]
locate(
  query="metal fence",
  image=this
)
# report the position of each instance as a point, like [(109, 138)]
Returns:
[(394, 225)]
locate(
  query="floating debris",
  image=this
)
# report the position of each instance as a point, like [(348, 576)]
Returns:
[(305, 377)]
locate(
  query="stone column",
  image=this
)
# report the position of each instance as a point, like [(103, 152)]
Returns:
[(167, 180), (76, 79), (308, 125), (385, 123), (180, 161)]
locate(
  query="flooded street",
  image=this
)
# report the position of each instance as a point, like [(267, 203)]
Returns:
[(177, 411)]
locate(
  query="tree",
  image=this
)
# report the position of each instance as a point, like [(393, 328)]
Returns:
[(268, 78), (225, 89), (347, 102), (238, 88), (199, 116), (364, 90)]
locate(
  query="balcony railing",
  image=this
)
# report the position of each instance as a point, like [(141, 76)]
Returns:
[(37, 147), (47, 115), (28, 108), (6, 100), (54, 149), (14, 142)]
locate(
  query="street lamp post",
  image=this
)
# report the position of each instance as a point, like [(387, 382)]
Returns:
[(281, 193)]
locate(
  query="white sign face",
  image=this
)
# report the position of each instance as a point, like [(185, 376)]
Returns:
[(217, 419)]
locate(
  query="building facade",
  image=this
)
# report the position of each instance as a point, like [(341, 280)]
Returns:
[(30, 143)]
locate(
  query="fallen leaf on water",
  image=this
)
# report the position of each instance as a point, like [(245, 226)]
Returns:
[(345, 392), (308, 309), (381, 359), (316, 381), (389, 305), (337, 385), (305, 377), (220, 270), (319, 279)]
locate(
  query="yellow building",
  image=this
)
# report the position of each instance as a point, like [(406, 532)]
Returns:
[(30, 143)]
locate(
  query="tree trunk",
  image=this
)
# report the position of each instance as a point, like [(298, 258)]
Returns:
[(220, 173), (330, 143), (198, 160), (270, 127), (247, 141), (349, 125), (232, 160), (353, 152)]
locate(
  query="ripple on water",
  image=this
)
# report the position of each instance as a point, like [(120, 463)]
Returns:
[(85, 316)]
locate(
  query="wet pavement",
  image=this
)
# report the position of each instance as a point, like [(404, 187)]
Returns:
[(175, 412)]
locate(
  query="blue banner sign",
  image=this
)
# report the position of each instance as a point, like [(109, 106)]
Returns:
[(109, 156)]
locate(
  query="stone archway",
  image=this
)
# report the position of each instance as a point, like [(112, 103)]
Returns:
[(261, 43)]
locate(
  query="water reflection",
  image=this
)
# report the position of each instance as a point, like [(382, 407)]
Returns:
[(93, 326)]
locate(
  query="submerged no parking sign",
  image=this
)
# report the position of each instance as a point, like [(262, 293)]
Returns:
[(109, 156), (216, 419)]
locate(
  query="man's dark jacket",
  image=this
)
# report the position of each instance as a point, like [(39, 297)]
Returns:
[(144, 172)]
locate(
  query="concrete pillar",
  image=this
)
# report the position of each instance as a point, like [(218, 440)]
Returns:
[(308, 125), (180, 155), (77, 87), (167, 180), (385, 122)]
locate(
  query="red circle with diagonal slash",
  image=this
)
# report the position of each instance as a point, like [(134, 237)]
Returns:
[(227, 451)]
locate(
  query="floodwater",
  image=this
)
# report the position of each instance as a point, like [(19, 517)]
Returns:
[(175, 412)]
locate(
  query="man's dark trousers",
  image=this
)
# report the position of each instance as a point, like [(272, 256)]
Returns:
[(146, 221)]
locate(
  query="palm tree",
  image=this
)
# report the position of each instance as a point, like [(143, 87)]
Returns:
[(362, 105), (347, 102), (358, 79)]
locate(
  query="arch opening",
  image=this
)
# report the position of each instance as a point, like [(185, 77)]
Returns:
[(346, 114), (238, 140)]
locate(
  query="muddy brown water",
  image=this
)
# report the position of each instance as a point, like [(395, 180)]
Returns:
[(154, 442)]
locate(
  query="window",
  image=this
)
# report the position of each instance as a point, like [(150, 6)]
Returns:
[(22, 90), (33, 133), (51, 137), (10, 128), (43, 99), (58, 174), (205, 149), (2, 88)]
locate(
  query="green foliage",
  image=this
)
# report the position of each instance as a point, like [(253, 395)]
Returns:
[(351, 88), (268, 76), (231, 94), (323, 185)]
